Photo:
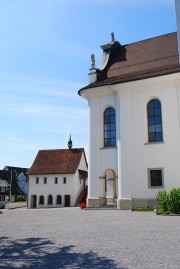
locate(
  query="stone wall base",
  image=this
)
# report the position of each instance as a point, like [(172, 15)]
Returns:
[(144, 202), (102, 201), (93, 202), (110, 200), (124, 203)]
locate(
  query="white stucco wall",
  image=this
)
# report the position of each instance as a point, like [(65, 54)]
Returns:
[(50, 188), (155, 155)]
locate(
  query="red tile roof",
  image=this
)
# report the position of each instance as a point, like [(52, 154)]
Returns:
[(145, 59), (59, 161)]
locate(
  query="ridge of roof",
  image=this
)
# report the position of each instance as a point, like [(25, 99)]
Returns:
[(73, 149), (150, 38)]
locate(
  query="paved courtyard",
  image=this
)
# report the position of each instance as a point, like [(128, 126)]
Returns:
[(93, 239)]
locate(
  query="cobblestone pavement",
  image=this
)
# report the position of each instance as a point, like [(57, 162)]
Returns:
[(94, 239)]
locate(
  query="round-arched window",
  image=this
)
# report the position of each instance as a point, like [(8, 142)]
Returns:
[(155, 130), (109, 127)]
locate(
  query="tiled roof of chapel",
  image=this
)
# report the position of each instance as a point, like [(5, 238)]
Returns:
[(57, 161), (140, 60)]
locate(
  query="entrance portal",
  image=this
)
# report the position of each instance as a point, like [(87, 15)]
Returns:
[(33, 201), (67, 200), (110, 186)]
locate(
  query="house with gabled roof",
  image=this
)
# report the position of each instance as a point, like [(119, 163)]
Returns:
[(21, 176), (134, 121), (9, 188), (57, 177)]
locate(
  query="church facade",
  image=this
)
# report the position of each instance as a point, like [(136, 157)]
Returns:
[(134, 121)]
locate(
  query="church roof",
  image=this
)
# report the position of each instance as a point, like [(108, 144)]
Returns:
[(58, 161), (144, 59)]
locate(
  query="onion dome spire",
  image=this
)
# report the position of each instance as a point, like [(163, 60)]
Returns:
[(70, 143)]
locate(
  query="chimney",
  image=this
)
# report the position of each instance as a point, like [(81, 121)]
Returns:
[(177, 6)]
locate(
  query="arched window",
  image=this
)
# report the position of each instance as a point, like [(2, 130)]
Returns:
[(109, 127), (41, 200), (50, 200), (59, 200), (155, 130)]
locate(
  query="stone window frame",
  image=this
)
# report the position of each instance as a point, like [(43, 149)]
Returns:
[(149, 178)]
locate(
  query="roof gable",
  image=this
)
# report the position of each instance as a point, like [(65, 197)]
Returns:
[(60, 161), (17, 170)]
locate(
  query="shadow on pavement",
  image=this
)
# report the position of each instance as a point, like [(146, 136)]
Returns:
[(42, 253)]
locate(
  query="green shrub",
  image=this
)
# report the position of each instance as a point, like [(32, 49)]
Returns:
[(174, 200), (142, 208), (169, 202), (163, 200), (20, 198)]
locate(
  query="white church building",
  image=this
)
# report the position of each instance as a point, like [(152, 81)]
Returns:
[(134, 121)]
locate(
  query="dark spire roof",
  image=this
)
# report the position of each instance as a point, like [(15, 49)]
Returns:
[(70, 143)]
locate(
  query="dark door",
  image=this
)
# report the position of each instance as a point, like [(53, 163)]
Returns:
[(67, 200), (33, 201)]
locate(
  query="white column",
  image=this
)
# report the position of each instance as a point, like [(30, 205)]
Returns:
[(93, 166), (119, 181), (124, 152)]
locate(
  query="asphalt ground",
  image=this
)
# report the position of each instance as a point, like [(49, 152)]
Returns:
[(94, 239)]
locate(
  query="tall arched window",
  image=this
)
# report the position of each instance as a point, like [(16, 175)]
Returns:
[(155, 130), (109, 127), (59, 199), (41, 200), (50, 200)]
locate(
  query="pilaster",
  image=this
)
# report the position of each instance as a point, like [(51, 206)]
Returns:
[(93, 167)]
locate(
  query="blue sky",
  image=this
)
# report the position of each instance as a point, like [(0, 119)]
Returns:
[(45, 48)]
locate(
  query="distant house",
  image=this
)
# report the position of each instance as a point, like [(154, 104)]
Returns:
[(9, 188), (21, 176), (57, 178)]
